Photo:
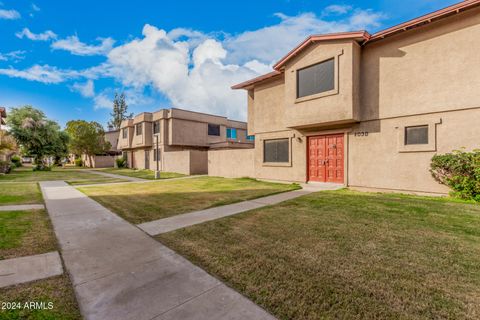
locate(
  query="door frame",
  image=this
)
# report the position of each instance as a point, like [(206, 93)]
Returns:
[(345, 153)]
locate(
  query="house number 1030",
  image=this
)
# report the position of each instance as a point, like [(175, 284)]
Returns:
[(361, 134)]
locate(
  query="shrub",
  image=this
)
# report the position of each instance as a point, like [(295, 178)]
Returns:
[(78, 162), (121, 162), (17, 161), (5, 166), (460, 171)]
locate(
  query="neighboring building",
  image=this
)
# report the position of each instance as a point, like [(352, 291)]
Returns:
[(183, 139), (4, 155), (370, 111), (3, 115)]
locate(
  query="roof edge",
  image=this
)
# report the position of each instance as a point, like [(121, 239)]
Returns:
[(251, 82), (360, 36), (425, 19)]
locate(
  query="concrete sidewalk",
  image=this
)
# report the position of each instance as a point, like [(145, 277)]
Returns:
[(116, 176), (30, 268), (22, 207), (189, 219), (119, 272)]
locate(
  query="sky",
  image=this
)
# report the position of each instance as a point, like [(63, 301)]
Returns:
[(68, 58)]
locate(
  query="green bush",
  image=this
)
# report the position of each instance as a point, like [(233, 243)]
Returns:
[(5, 166), (17, 161), (78, 162), (460, 171), (121, 162)]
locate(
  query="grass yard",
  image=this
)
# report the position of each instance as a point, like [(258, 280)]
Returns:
[(94, 181), (144, 202), (20, 193), (24, 233), (56, 290), (347, 255), (141, 173), (27, 174)]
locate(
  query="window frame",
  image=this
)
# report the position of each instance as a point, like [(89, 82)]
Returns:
[(336, 57), (299, 71), (139, 125), (124, 133), (277, 163), (210, 125), (406, 134), (232, 137), (431, 146), (156, 124)]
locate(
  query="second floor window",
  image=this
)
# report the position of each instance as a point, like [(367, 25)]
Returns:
[(213, 129), (231, 133), (156, 127), (124, 133), (316, 79), (250, 138), (138, 129)]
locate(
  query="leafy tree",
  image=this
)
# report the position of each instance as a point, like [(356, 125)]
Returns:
[(7, 142), (119, 112), (87, 138), (38, 136)]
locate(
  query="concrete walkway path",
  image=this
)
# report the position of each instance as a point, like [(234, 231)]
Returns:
[(21, 207), (30, 268), (119, 272), (115, 176), (189, 219)]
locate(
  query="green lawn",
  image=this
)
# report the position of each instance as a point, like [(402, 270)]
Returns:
[(24, 233), (141, 173), (142, 202), (95, 181), (347, 255), (20, 193), (56, 290), (27, 174)]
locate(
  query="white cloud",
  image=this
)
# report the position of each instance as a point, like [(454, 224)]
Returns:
[(9, 14), (337, 9), (35, 7), (43, 36), (13, 56), (45, 74), (76, 47), (86, 89), (193, 70)]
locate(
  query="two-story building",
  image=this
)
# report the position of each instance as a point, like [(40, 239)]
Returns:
[(370, 111), (179, 139)]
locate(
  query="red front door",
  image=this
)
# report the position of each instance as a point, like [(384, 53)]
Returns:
[(325, 158)]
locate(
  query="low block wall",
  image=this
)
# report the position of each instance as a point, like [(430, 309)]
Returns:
[(99, 161), (186, 162), (231, 163)]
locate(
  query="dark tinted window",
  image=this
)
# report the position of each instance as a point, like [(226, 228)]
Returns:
[(124, 133), (156, 127), (316, 79), (138, 129), (416, 135), (213, 129), (275, 150)]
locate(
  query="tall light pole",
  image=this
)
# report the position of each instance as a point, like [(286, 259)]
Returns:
[(157, 172)]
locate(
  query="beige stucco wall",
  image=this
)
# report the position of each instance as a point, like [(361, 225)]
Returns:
[(337, 106), (231, 163), (99, 161), (186, 162), (198, 161)]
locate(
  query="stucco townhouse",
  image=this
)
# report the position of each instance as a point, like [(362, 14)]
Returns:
[(369, 111), (179, 139)]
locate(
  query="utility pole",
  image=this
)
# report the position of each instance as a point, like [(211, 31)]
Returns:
[(157, 172)]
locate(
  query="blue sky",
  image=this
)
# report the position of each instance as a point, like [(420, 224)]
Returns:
[(69, 57)]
